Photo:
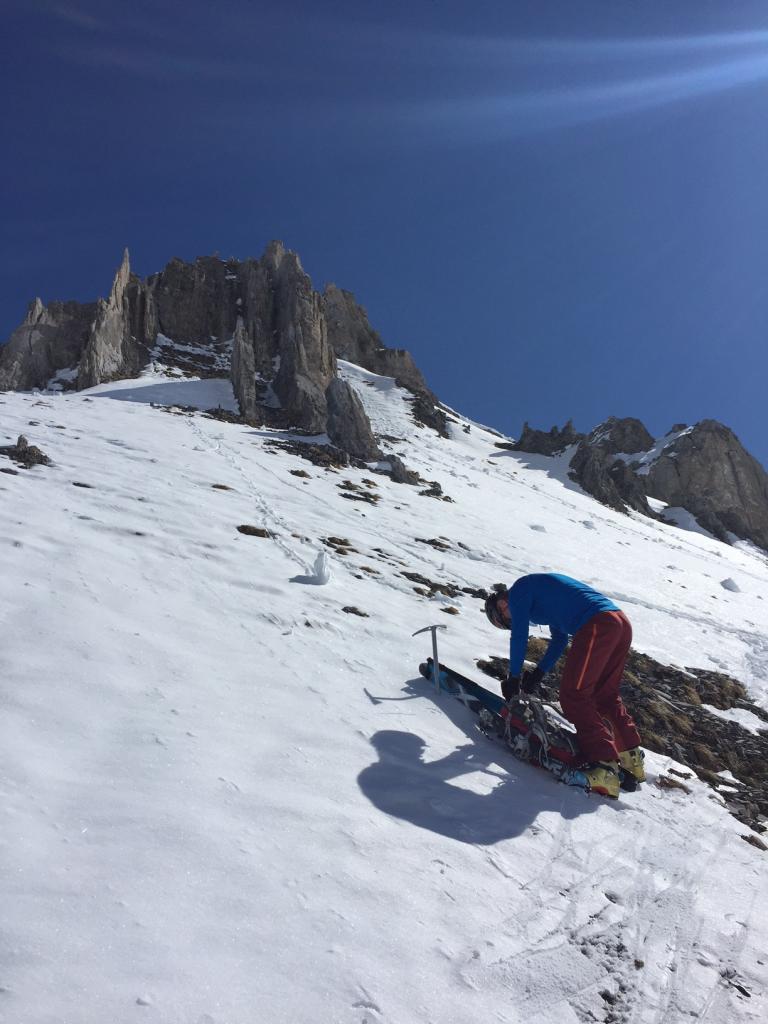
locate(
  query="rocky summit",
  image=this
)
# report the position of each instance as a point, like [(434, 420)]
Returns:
[(702, 470), (258, 320), (261, 323)]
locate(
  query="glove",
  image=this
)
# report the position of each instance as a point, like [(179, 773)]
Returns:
[(510, 687), (531, 683)]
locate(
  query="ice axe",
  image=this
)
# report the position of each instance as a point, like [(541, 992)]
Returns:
[(435, 661)]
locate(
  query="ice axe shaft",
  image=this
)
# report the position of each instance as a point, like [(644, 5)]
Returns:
[(435, 660)]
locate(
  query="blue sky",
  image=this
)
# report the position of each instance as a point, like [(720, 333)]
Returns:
[(559, 207)]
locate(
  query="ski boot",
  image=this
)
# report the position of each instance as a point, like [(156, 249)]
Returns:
[(603, 778), (632, 765)]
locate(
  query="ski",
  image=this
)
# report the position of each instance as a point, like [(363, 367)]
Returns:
[(530, 728)]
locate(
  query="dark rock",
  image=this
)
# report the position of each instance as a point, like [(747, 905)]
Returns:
[(307, 362), (541, 442), (434, 542), (426, 410), (447, 589), (192, 302), (353, 339), (600, 473), (621, 435), (243, 373), (348, 426), (51, 338), (398, 472), (254, 531), (25, 454), (755, 841), (708, 472), (364, 496), (112, 350), (224, 415), (434, 491), (704, 469), (609, 480), (266, 309), (667, 782), (325, 455)]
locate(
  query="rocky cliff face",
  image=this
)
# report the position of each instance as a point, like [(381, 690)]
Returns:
[(284, 339), (114, 349), (708, 471), (51, 338), (609, 479), (547, 442), (703, 469), (352, 338)]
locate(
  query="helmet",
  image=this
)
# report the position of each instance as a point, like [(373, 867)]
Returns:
[(492, 610)]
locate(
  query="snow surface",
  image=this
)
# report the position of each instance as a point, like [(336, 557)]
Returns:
[(742, 716), (226, 800), (685, 520)]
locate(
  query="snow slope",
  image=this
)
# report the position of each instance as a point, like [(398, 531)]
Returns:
[(228, 801)]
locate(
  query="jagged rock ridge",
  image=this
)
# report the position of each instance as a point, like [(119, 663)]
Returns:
[(704, 469), (284, 336)]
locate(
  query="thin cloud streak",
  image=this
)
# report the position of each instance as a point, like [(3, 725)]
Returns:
[(76, 16), (161, 65), (579, 50), (500, 115)]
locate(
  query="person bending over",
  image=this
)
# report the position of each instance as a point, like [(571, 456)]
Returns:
[(589, 688)]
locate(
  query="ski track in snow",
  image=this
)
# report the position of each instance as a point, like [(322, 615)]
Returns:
[(226, 800)]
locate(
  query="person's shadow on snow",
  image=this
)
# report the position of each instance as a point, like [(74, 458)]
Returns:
[(404, 784)]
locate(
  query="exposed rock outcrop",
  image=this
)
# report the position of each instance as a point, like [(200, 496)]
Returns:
[(24, 453), (353, 339), (348, 426), (307, 361), (703, 469), (626, 435), (283, 355), (543, 442), (595, 466), (706, 470), (112, 350), (51, 338), (193, 302), (608, 480), (244, 372)]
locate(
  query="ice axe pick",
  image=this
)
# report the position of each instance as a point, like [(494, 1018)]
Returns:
[(435, 661)]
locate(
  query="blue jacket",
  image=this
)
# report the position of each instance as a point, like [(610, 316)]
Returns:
[(549, 599)]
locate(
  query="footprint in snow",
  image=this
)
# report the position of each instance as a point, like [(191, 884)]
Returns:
[(538, 528)]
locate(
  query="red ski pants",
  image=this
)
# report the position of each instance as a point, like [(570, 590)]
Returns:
[(589, 690)]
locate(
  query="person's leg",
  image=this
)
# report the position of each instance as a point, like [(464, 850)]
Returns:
[(593, 646), (607, 698)]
